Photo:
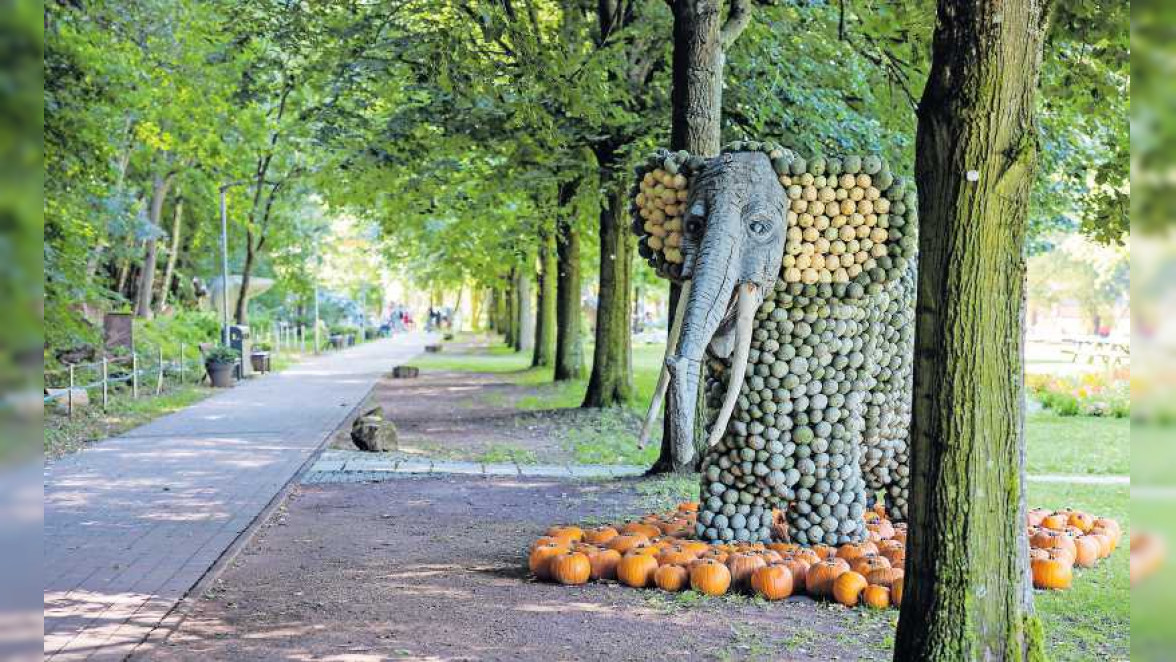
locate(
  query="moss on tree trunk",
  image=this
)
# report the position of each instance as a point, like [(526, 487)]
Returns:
[(967, 593), (611, 382)]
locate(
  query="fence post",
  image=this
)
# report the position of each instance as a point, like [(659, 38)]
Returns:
[(134, 374), (159, 375), (69, 394), (105, 387), (181, 364)]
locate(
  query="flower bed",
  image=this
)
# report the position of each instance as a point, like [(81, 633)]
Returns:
[(1091, 394)]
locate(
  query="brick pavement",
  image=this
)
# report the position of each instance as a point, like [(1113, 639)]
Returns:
[(134, 522)]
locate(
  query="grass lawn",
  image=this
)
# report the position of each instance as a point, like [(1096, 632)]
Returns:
[(1091, 621), (66, 435), (1077, 444)]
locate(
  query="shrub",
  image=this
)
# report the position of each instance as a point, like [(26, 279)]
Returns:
[(1090, 394)]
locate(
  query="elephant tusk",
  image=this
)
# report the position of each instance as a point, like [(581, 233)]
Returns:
[(745, 317), (663, 378)]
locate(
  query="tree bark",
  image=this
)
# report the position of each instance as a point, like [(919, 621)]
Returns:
[(611, 381), (569, 349), (172, 254), (967, 592), (511, 308), (700, 43), (159, 190), (545, 300)]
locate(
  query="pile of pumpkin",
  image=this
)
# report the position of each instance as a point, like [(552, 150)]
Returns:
[(657, 551), (1062, 539)]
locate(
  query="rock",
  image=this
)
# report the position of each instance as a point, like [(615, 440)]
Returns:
[(405, 372), (432, 349), (61, 398), (371, 433)]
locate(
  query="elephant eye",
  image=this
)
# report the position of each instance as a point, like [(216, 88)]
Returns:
[(693, 226), (758, 227)]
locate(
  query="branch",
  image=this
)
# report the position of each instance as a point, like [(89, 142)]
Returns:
[(737, 19)]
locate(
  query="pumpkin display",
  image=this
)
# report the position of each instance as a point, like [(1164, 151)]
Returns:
[(742, 565), (772, 582), (710, 577), (1052, 574), (657, 550), (876, 596), (604, 564), (848, 587), (636, 570), (818, 581), (539, 562), (570, 568), (672, 578), (688, 507)]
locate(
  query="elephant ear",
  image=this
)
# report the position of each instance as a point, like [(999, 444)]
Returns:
[(659, 198), (850, 223)]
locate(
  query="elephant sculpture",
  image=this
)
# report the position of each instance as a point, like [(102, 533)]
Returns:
[(796, 317)]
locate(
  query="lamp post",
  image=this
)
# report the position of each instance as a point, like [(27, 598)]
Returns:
[(224, 241)]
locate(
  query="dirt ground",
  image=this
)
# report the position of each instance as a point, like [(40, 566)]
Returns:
[(462, 416), (432, 568)]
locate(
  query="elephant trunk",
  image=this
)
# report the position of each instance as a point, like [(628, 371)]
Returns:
[(716, 274)]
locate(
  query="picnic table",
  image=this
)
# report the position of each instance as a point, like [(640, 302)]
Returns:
[(1110, 351)]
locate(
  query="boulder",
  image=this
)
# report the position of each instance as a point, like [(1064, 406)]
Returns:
[(371, 433), (432, 349), (405, 372), (60, 397)]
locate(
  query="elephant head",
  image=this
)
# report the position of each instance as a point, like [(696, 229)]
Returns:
[(733, 241)]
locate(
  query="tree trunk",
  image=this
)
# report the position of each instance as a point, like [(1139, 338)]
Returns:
[(147, 275), (611, 381), (241, 313), (510, 309), (569, 350), (967, 592), (545, 301), (524, 318), (477, 296), (700, 43), (172, 254)]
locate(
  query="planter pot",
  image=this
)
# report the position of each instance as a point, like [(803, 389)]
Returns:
[(260, 361), (220, 374)]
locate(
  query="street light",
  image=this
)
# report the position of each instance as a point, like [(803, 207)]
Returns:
[(224, 245)]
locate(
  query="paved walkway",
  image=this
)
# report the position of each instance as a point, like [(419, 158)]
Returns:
[(342, 466), (134, 522)]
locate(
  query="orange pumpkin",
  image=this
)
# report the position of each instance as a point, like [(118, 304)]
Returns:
[(675, 556), (647, 548), (896, 591), (824, 551), (1048, 539), (848, 587), (539, 562), (868, 562), (604, 564), (1087, 551), (688, 507), (570, 568), (1083, 521), (783, 547), (770, 556), (637, 570), (547, 540), (641, 528), (1104, 543), (710, 577), (772, 582), (1052, 574), (600, 535), (880, 530), (695, 547), (876, 597), (569, 533), (1111, 536), (852, 550), (884, 576), (671, 578), (1035, 516), (818, 581), (798, 568), (742, 565), (808, 555), (900, 533), (1056, 521), (625, 542)]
